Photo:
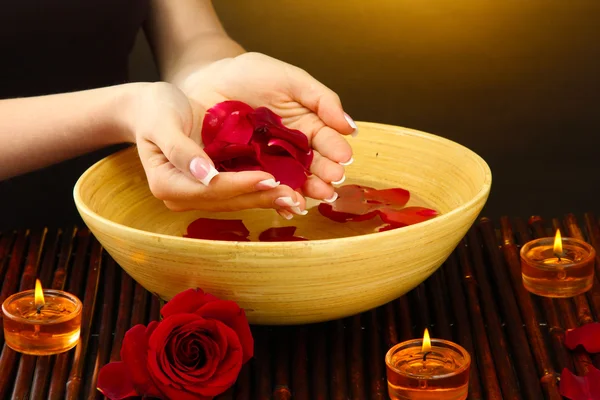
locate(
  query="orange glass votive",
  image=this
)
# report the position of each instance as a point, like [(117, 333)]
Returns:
[(50, 329), (567, 274), (439, 374)]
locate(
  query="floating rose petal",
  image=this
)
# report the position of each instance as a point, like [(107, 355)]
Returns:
[(406, 216), (580, 387), (328, 211), (218, 229), (216, 116), (396, 197), (280, 234), (587, 335), (389, 227)]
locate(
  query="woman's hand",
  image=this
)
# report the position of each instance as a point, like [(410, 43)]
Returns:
[(303, 103), (160, 118)]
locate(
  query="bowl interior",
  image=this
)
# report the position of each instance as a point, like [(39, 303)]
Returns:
[(439, 174)]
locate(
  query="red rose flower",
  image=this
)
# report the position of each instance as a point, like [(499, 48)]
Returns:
[(195, 353), (239, 138)]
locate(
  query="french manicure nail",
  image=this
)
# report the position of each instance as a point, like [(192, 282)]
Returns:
[(345, 164), (285, 214), (332, 198), (286, 202), (352, 124), (267, 184), (297, 210), (340, 181), (203, 170)]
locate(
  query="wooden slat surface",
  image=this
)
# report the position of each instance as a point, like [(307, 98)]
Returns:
[(476, 299)]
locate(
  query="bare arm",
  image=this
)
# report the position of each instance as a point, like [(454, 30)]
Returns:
[(186, 35), (39, 131)]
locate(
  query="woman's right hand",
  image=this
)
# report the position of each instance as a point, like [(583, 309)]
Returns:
[(159, 119)]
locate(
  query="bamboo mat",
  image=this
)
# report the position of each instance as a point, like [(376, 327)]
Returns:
[(475, 299)]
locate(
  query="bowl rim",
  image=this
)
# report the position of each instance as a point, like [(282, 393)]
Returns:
[(393, 129)]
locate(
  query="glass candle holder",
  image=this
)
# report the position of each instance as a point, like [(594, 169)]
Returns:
[(564, 274), (42, 330), (439, 374)]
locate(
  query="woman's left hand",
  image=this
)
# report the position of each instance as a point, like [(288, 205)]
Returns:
[(303, 103)]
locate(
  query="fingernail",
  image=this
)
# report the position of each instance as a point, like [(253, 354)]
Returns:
[(340, 181), (332, 198), (286, 202), (203, 170), (297, 210), (350, 161), (267, 184), (285, 214), (352, 124)]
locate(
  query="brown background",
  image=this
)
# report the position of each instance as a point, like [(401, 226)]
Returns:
[(515, 81)]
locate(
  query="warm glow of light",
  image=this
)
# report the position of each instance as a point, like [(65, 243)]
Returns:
[(558, 249), (426, 342), (39, 295)]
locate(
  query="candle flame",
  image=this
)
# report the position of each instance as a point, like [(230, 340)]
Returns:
[(39, 295), (426, 342), (558, 249)]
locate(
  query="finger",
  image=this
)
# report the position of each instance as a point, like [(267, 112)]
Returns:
[(315, 188), (185, 154), (168, 183), (329, 171), (322, 101), (332, 145), (281, 198)]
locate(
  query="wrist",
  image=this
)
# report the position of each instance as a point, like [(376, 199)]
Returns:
[(126, 110)]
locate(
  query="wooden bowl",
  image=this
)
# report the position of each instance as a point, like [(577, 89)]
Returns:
[(337, 275)]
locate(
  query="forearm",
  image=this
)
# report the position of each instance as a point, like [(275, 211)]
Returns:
[(186, 35), (40, 131), (198, 53)]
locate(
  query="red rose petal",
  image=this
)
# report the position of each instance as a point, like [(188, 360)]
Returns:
[(266, 121), (587, 335), (218, 151), (114, 381), (218, 229), (188, 301), (216, 116), (229, 313), (394, 197), (236, 129), (227, 370), (303, 157), (134, 353), (327, 211), (158, 363), (389, 227), (406, 216), (286, 170), (280, 234), (580, 388)]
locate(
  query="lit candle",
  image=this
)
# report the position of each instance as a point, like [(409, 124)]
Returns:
[(426, 369), (557, 267), (42, 322)]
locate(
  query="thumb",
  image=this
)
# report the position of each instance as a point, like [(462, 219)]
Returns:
[(187, 156), (321, 100)]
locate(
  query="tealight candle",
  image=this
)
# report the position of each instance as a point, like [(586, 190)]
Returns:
[(42, 322), (557, 267), (426, 369)]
